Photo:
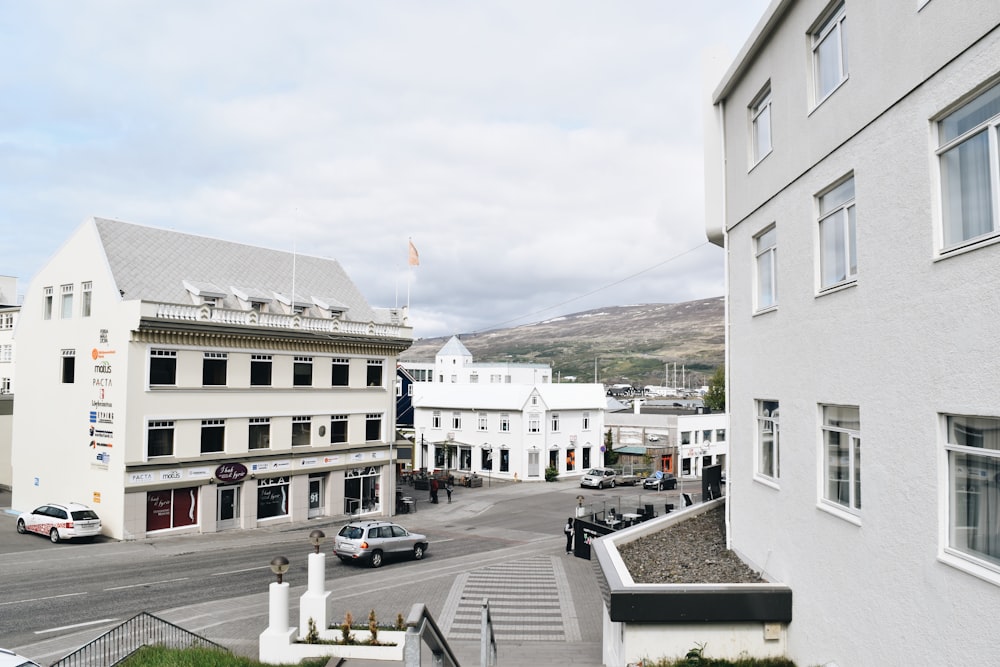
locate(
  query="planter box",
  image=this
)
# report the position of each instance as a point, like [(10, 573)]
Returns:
[(295, 651)]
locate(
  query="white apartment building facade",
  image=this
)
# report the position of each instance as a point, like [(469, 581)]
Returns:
[(509, 431), (9, 311), (454, 364), (853, 178), (178, 383)]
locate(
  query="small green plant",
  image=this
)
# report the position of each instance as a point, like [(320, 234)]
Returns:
[(312, 634), (551, 474), (345, 629), (372, 628)]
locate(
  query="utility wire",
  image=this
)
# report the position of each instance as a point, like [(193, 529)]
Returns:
[(595, 291)]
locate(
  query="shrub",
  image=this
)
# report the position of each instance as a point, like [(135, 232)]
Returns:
[(551, 474)]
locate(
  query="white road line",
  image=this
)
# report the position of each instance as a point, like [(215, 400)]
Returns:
[(51, 597), (78, 625), (249, 569), (148, 583)]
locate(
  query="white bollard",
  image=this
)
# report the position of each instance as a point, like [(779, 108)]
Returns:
[(314, 602), (277, 616)]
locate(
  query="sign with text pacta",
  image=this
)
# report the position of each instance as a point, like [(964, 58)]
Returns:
[(230, 472)]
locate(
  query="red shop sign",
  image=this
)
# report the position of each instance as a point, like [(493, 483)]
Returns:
[(230, 472)]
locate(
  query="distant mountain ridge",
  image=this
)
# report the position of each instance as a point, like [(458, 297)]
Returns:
[(638, 344)]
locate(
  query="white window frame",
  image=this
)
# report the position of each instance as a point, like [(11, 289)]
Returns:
[(767, 450), (483, 422), (436, 419), (456, 421), (840, 428), (554, 422), (259, 422), (161, 425), (373, 418), (840, 216), (86, 298), (760, 126), (534, 423), (766, 269), (829, 31), (47, 293), (504, 422), (957, 132), (586, 421)]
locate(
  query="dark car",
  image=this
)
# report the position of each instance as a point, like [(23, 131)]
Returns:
[(660, 481)]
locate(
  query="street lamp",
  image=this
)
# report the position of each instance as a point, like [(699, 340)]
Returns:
[(279, 565), (316, 538)]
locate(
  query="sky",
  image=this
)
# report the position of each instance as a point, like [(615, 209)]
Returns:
[(544, 157)]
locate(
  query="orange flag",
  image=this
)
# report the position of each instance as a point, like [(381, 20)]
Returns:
[(414, 255)]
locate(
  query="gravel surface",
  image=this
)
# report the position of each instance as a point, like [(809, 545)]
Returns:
[(690, 552)]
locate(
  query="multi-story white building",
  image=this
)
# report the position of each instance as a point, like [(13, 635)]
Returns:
[(854, 181), (454, 364), (181, 383), (671, 436), (9, 311), (509, 431)]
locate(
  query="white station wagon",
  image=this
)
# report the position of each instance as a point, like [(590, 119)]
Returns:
[(60, 521)]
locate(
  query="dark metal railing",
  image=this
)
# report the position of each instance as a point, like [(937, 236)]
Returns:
[(120, 642)]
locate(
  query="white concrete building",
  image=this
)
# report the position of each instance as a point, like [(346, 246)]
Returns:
[(182, 383), (682, 443), (9, 311), (453, 364), (509, 431), (853, 178)]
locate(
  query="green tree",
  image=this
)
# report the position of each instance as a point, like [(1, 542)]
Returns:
[(610, 456), (715, 397)]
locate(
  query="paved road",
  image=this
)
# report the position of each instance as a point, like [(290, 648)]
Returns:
[(503, 543)]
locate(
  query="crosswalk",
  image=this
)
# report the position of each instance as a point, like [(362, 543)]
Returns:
[(529, 600)]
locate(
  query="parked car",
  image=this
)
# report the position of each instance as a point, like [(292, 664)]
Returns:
[(598, 478), (373, 541), (660, 481), (61, 521), (11, 659), (653, 437)]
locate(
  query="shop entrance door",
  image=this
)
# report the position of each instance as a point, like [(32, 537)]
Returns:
[(316, 494), (532, 464), (228, 512)]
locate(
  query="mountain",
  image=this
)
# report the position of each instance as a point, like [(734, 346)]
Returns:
[(631, 344)]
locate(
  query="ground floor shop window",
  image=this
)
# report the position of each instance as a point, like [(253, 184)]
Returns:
[(504, 460), (554, 458), (586, 458), (361, 490), (570, 460), (486, 459), (465, 459), (171, 508), (272, 497)]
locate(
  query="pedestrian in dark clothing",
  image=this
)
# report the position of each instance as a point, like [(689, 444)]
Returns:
[(434, 491), (448, 489), (569, 535)]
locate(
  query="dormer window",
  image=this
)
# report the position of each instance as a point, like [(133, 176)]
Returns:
[(250, 298), (205, 294), (293, 306), (329, 307)]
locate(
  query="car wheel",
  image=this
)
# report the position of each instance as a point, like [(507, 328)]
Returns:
[(376, 559), (20, 526), (54, 535), (418, 552), (612, 484)]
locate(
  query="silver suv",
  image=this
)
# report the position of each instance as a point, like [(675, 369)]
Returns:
[(373, 541)]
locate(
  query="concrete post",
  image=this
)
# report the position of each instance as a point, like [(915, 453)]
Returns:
[(313, 603)]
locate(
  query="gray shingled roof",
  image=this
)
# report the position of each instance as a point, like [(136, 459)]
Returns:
[(152, 264)]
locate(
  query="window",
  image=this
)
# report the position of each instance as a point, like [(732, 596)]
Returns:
[(302, 372), (68, 366), (495, 379), (160, 439), (340, 373), (555, 422), (767, 439), (454, 379), (86, 294), (474, 378), (259, 434), (842, 456), (301, 431), (534, 423), (47, 311), (213, 435), (829, 53), (4, 385), (456, 420), (163, 367), (973, 450), (272, 497), (686, 437), (760, 122), (213, 369), (66, 302), (6, 320), (6, 352), (767, 266), (373, 427), (374, 373), (969, 158), (837, 235), (483, 422), (504, 422), (260, 370), (486, 458), (504, 460), (338, 429), (436, 419), (720, 435), (570, 459), (586, 421)]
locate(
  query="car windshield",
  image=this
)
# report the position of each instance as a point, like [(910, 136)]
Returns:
[(83, 515), (594, 471), (352, 532)]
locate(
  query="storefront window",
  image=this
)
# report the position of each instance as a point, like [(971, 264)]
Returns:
[(361, 490), (171, 508), (272, 497)]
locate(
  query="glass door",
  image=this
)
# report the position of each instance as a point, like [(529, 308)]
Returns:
[(228, 512), (316, 496)]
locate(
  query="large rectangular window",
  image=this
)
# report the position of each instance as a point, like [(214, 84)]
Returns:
[(213, 369), (767, 268), (768, 446), (260, 370), (760, 122), (68, 366), (259, 435), (338, 429), (973, 449), (340, 373), (301, 431), (374, 378), (829, 47), (302, 372), (66, 302), (163, 367), (373, 427), (842, 456), (160, 439), (838, 235), (969, 156), (213, 436)]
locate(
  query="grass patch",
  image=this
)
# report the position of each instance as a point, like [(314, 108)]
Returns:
[(158, 656)]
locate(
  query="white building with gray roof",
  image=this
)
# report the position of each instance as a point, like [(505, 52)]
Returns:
[(190, 384)]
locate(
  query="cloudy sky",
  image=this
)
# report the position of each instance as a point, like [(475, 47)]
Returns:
[(544, 156)]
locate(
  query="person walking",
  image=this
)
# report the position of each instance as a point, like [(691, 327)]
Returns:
[(569, 535), (434, 491), (448, 488)]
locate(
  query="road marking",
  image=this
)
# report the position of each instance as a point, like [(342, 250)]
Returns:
[(249, 569), (51, 597), (148, 583), (78, 625)]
